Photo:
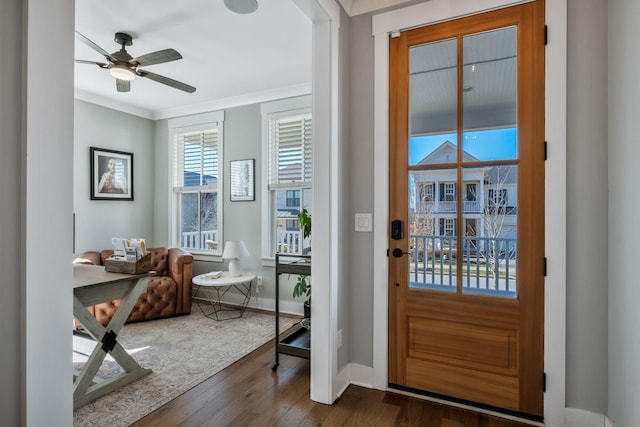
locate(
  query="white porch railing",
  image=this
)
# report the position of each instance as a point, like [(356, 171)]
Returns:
[(450, 206), (471, 206), (196, 240), (488, 264), (290, 242)]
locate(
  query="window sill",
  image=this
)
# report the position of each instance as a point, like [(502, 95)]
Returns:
[(268, 261), (206, 256)]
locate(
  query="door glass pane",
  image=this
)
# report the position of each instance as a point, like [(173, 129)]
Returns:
[(433, 105), (490, 216), (432, 229), (490, 95)]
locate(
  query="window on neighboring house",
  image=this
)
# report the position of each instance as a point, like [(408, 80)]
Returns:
[(293, 198), (471, 192), (426, 192), (449, 227), (450, 191), (498, 198), (288, 174), (196, 214)]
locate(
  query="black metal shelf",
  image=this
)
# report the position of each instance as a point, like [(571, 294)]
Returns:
[(298, 342)]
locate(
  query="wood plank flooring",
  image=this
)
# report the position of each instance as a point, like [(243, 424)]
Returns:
[(248, 394)]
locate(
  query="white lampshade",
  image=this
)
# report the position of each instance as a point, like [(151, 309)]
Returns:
[(233, 250)]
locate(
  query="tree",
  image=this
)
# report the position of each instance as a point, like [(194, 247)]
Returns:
[(421, 220), (495, 212), (199, 214)]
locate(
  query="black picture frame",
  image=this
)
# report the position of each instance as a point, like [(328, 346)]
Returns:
[(111, 174), (243, 183)]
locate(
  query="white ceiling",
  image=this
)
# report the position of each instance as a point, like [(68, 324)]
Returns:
[(231, 59)]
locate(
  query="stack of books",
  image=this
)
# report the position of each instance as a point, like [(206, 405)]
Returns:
[(213, 275)]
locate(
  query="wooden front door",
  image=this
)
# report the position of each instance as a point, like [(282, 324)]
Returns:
[(466, 256)]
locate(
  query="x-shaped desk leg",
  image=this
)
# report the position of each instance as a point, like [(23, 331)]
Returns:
[(84, 389)]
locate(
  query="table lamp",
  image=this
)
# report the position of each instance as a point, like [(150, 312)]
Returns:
[(233, 250)]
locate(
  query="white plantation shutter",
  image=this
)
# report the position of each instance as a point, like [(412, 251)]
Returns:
[(290, 151), (196, 159)]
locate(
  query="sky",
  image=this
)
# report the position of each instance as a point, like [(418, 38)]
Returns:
[(497, 144)]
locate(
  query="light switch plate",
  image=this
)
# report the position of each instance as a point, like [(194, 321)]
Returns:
[(364, 222)]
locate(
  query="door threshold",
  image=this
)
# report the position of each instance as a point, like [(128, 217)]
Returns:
[(465, 404)]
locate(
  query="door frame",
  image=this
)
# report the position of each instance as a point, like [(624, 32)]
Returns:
[(555, 171)]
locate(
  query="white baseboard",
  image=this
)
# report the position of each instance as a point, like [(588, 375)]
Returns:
[(361, 375), (342, 381), (574, 417)]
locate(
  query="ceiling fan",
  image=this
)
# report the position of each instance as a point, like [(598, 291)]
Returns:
[(124, 67)]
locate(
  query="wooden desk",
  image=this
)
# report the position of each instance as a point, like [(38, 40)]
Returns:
[(93, 285)]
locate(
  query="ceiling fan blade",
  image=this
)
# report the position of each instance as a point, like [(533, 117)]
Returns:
[(92, 45), (123, 85), (158, 57), (167, 81), (99, 64)]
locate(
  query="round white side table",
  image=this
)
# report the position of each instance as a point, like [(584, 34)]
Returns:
[(220, 286)]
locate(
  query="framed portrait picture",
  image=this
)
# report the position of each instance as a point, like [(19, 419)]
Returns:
[(242, 180), (111, 174)]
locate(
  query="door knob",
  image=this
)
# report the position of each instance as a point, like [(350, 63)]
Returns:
[(397, 252)]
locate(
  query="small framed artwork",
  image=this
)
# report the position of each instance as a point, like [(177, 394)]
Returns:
[(111, 174), (242, 180)]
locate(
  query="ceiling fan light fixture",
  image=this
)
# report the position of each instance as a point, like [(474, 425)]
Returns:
[(121, 72), (241, 6)]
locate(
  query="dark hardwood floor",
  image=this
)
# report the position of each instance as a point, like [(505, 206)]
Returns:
[(248, 394)]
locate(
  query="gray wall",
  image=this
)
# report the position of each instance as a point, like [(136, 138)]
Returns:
[(346, 221), (243, 220), (163, 183), (10, 178), (361, 191), (624, 204), (97, 221), (586, 206)]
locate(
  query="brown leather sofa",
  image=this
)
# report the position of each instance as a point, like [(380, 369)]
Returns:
[(168, 292)]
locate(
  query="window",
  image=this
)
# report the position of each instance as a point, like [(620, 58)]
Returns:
[(196, 201), (426, 192), (287, 168), (471, 192), (293, 198), (449, 227), (498, 200), (450, 191)]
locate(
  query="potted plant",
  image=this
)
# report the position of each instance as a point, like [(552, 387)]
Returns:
[(304, 219), (303, 288), (303, 285)]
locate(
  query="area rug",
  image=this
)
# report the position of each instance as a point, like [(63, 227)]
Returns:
[(182, 351)]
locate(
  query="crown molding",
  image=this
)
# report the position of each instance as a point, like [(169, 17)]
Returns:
[(235, 101), (92, 98), (359, 7), (186, 110)]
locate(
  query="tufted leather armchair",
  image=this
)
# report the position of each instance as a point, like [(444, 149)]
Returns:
[(168, 292)]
